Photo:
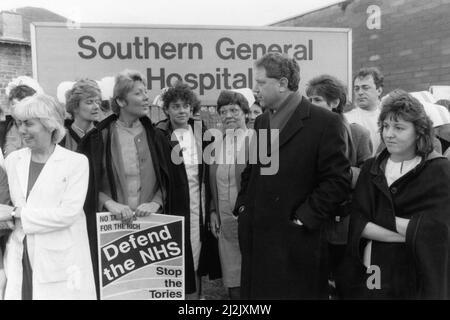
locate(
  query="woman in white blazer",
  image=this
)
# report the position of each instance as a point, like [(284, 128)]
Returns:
[(47, 255)]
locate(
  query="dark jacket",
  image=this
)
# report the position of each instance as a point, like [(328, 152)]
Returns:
[(91, 146), (359, 149), (209, 263), (280, 259), (419, 268), (173, 199)]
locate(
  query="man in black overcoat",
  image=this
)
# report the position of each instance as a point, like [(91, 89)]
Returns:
[(281, 214)]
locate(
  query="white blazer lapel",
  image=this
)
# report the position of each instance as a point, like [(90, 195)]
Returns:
[(22, 171)]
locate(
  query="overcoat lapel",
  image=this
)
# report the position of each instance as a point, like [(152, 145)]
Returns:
[(295, 123)]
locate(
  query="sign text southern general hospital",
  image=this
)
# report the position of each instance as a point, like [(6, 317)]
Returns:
[(225, 49), (207, 58)]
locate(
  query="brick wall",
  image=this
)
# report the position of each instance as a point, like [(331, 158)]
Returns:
[(15, 60), (412, 47)]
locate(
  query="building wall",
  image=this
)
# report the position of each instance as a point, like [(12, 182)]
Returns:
[(15, 60), (412, 47)]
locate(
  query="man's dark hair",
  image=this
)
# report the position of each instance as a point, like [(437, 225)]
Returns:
[(279, 66)]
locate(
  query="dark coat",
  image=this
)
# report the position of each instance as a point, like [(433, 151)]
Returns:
[(209, 263), (419, 268), (174, 200), (280, 259)]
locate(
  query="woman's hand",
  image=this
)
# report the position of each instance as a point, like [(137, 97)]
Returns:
[(5, 212), (147, 209), (401, 224), (214, 224), (121, 211)]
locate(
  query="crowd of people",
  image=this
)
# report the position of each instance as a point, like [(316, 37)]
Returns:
[(358, 208)]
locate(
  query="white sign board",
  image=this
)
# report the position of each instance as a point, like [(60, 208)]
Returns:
[(207, 58)]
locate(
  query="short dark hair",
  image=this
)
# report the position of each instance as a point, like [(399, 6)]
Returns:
[(377, 76), (180, 91), (400, 104), (329, 88), (279, 66), (123, 84), (20, 92), (227, 97), (82, 89)]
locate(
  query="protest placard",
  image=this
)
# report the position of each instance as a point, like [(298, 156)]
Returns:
[(141, 260)]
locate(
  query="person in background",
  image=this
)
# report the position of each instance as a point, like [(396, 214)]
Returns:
[(328, 92), (106, 86), (17, 89), (444, 103), (184, 134), (255, 110), (400, 215), (225, 181), (11, 138), (367, 89), (443, 132), (47, 255)]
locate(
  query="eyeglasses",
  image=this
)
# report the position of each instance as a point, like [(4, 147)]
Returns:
[(234, 112)]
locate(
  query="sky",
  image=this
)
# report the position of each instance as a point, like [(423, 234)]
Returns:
[(197, 12)]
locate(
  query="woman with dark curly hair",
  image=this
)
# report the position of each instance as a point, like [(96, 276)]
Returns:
[(191, 180), (401, 210)]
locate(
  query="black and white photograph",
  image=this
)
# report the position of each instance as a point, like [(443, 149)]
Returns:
[(225, 155)]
